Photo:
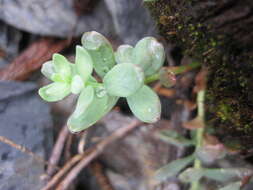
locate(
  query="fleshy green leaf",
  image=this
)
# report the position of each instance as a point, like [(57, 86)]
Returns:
[(85, 99), (47, 69), (55, 91), (77, 84), (89, 112), (173, 168), (123, 80), (149, 55), (124, 54), (175, 138), (191, 174), (92, 79), (225, 174), (62, 67), (84, 64), (145, 104), (100, 50), (211, 153), (232, 186)]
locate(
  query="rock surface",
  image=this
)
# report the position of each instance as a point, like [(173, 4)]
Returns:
[(132, 161), (26, 120), (127, 19), (54, 18), (131, 19), (9, 43)]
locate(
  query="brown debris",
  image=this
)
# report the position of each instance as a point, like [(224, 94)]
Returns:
[(196, 123), (92, 153), (57, 150), (102, 179), (32, 58)]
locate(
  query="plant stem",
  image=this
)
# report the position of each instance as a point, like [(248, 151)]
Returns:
[(185, 68), (152, 78), (175, 70), (93, 84), (199, 135)]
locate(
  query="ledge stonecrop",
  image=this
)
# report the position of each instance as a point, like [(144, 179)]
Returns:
[(123, 74)]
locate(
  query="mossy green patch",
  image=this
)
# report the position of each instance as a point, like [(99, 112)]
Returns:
[(229, 93)]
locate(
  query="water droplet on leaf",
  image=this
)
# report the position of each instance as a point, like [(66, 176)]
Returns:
[(101, 92)]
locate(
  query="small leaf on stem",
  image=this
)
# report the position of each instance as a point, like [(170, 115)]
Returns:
[(145, 104), (173, 168), (100, 51), (123, 80), (55, 91)]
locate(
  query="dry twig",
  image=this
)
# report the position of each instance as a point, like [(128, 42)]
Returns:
[(92, 153), (32, 58), (25, 150), (62, 172), (57, 150), (102, 179)]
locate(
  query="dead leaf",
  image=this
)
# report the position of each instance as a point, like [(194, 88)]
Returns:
[(32, 58)]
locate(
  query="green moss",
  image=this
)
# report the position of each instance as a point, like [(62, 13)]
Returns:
[(229, 97)]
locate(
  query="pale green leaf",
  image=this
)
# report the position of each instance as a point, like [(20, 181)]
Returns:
[(173, 168), (86, 115), (92, 79), (62, 67), (123, 80), (84, 64), (55, 91), (47, 69), (209, 153), (226, 174), (149, 55), (175, 138), (232, 186), (145, 104), (124, 54), (100, 50), (191, 175), (77, 84), (85, 99)]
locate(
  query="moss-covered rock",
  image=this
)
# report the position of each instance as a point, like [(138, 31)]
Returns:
[(218, 34)]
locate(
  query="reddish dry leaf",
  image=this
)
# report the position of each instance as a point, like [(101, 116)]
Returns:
[(166, 92), (2, 53), (190, 105), (32, 58), (196, 123)]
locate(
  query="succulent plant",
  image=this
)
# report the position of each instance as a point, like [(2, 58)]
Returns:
[(123, 74)]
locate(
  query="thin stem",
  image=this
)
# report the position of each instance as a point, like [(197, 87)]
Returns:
[(152, 78), (175, 70), (93, 84), (199, 135), (185, 68)]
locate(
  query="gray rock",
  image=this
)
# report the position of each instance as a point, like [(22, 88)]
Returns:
[(131, 19), (54, 18), (26, 120), (9, 43), (132, 161)]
